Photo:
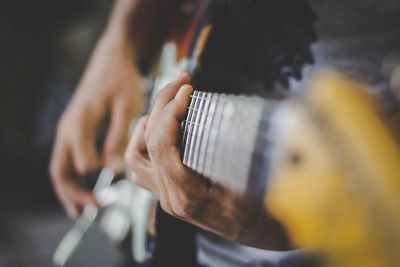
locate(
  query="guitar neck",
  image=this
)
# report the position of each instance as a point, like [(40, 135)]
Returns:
[(224, 138)]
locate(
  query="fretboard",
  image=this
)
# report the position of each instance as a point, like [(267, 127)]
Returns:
[(224, 136)]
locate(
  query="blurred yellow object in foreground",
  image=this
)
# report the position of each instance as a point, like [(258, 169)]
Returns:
[(335, 180)]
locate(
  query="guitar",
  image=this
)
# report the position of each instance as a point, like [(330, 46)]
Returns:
[(327, 166)]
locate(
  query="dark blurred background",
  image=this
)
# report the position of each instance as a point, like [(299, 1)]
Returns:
[(44, 47)]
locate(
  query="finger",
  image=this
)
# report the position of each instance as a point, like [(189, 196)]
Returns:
[(117, 135), (144, 173), (71, 196), (84, 154), (166, 95), (138, 160), (162, 140), (165, 154), (74, 197), (79, 195), (58, 165), (175, 112), (137, 144)]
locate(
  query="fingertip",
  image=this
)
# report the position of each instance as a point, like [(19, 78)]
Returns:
[(182, 75), (184, 92), (86, 161), (115, 163), (72, 211)]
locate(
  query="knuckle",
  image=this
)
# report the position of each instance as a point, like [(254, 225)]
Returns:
[(152, 142), (82, 166), (153, 147)]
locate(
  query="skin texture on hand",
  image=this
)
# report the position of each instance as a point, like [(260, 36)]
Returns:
[(154, 158), (108, 92)]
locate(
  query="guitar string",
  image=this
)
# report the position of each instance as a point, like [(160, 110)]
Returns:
[(194, 133), (211, 123), (203, 98), (260, 139), (197, 123), (265, 120)]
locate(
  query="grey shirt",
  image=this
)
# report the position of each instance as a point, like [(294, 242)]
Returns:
[(354, 36)]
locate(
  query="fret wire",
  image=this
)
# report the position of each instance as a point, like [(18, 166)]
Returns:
[(186, 128), (207, 103), (191, 126), (199, 128), (186, 132), (190, 130), (190, 114), (195, 128), (207, 129)]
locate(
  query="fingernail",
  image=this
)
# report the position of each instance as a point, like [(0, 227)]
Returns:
[(179, 75)]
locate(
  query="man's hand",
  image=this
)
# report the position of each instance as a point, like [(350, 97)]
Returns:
[(154, 158), (109, 92)]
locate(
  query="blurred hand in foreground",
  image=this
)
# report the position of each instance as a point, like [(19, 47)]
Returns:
[(108, 93)]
